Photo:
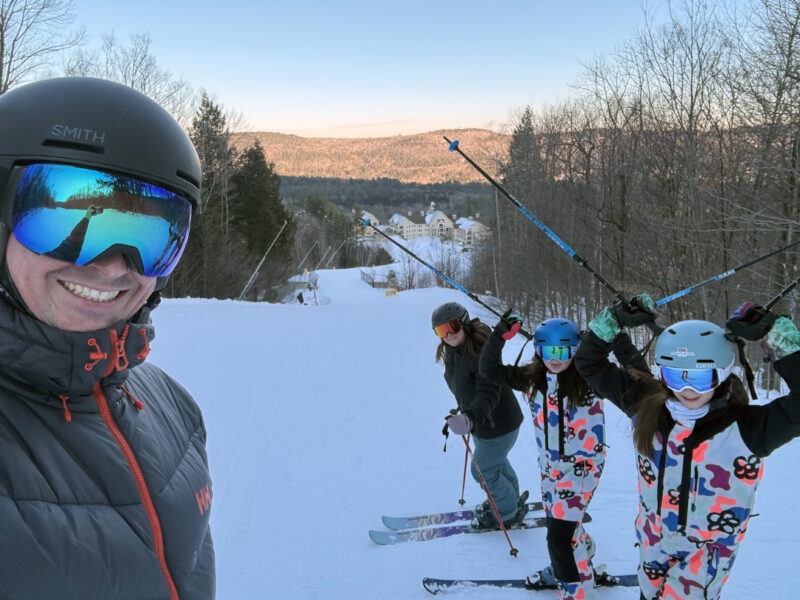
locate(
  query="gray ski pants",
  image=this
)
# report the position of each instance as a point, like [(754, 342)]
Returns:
[(492, 458)]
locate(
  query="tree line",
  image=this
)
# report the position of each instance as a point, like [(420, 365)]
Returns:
[(383, 197), (241, 215), (676, 160)]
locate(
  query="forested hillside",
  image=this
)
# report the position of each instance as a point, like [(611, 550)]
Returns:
[(423, 158)]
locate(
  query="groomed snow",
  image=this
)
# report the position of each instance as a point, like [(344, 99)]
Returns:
[(322, 418)]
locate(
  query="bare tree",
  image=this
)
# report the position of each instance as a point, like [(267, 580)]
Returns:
[(135, 66), (411, 273), (679, 159), (448, 261), (31, 33)]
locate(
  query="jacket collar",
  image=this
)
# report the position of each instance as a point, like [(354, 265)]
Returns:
[(42, 363)]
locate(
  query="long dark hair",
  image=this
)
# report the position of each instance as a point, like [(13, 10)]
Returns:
[(475, 335), (533, 374), (653, 396)]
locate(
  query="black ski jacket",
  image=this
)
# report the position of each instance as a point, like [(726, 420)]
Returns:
[(104, 484), (490, 405)]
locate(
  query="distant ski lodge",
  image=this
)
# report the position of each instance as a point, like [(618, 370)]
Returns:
[(436, 224)]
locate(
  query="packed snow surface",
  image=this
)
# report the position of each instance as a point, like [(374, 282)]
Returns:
[(321, 418)]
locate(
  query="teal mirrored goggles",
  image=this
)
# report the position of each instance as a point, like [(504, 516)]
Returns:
[(79, 215), (561, 353)]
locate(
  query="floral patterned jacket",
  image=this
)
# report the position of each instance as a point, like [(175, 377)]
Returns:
[(699, 487)]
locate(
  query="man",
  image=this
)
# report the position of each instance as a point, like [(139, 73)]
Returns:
[(104, 484)]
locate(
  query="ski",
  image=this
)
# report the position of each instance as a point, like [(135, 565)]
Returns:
[(442, 518), (424, 534), (435, 586)]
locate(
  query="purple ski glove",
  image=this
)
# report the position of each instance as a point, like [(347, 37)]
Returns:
[(459, 424)]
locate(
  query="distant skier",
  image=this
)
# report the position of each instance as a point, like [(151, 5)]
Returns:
[(488, 410), (699, 443), (569, 426)]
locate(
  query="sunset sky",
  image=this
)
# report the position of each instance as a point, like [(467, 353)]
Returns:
[(356, 68)]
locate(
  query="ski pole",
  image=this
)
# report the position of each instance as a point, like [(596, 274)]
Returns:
[(443, 276), (580, 260), (464, 478), (783, 292), (514, 551), (561, 244), (728, 273)]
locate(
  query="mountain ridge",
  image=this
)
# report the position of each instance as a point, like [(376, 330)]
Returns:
[(418, 158)]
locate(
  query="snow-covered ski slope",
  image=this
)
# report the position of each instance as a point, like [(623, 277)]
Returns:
[(322, 418)]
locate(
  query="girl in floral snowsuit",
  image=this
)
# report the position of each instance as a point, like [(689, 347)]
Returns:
[(700, 445), (570, 434)]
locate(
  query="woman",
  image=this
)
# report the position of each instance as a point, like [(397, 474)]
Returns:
[(569, 427), (698, 441), (488, 410)]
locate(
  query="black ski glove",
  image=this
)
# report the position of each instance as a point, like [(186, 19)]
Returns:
[(751, 321), (640, 311), (508, 325)]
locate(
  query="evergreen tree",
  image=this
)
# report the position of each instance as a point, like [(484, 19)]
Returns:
[(257, 215), (208, 267), (524, 161)]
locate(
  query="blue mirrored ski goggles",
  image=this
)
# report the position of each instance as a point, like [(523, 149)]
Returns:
[(699, 380), (78, 215), (562, 353)]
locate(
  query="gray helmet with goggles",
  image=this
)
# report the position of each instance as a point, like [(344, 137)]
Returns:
[(449, 318), (694, 345), (449, 311), (687, 347), (87, 156)]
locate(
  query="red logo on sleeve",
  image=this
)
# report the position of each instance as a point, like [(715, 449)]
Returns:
[(204, 498)]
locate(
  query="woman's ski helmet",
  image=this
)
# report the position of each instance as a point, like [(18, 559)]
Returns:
[(556, 332), (694, 345), (449, 311)]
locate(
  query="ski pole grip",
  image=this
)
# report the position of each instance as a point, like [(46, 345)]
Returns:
[(655, 328)]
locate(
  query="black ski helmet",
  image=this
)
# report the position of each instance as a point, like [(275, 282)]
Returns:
[(449, 311), (94, 123)]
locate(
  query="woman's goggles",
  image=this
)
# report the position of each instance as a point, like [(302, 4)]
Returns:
[(561, 353), (699, 380), (78, 215), (453, 326)]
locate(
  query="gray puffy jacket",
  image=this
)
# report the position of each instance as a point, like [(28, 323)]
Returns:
[(104, 484)]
